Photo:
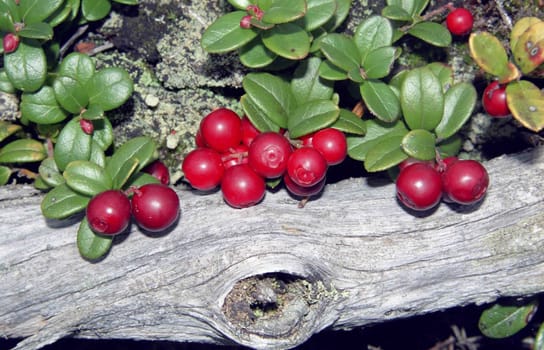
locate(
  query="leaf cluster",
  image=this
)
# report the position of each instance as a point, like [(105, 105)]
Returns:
[(524, 98)]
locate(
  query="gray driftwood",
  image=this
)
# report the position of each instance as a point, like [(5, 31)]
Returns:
[(272, 275)]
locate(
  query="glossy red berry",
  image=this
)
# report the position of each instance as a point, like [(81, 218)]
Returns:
[(242, 187), (419, 186), (10, 42), (494, 100), (87, 126), (465, 181), (108, 212), (332, 144), (306, 166), (203, 168), (221, 129), (155, 207), (301, 191), (158, 170), (249, 131), (268, 154), (459, 21)]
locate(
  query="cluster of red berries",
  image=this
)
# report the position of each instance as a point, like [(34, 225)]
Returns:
[(155, 207), (422, 185), (233, 154), (10, 42)]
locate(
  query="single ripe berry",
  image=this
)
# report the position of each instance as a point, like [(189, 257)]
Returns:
[(221, 129), (249, 131), (87, 126), (419, 186), (465, 181), (158, 170), (332, 144), (242, 187), (155, 207), (494, 100), (301, 191), (10, 42), (306, 166), (203, 168), (268, 154), (459, 21), (245, 22), (108, 212)]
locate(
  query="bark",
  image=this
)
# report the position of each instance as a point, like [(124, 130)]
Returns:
[(272, 275)]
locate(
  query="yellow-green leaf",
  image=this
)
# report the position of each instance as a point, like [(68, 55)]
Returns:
[(526, 102), (529, 49), (491, 56), (23, 151)]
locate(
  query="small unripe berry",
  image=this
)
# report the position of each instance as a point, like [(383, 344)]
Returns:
[(10, 42)]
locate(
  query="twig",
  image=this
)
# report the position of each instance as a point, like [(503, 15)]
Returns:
[(506, 19), (79, 32)]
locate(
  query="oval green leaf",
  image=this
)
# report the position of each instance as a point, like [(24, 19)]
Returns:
[(92, 246), (94, 10), (312, 116), (225, 34), (77, 66), (349, 123), (306, 83), (371, 34), (444, 73), (72, 144), (329, 71), (377, 64), (26, 68), (41, 107), (459, 103), (5, 84), (71, 94), (255, 55), (526, 102), (62, 202), (49, 173), (504, 321), (421, 99), (420, 144), (5, 174), (341, 51), (109, 88), (358, 146), (7, 129), (431, 32), (40, 30), (381, 100), (318, 13), (34, 11), (283, 11), (103, 133), (257, 116), (490, 55), (87, 178), (341, 13), (385, 154), (23, 151), (287, 40), (396, 13)]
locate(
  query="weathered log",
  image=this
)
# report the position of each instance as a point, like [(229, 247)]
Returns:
[(272, 275)]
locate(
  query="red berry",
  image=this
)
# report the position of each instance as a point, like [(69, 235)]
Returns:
[(108, 212), (419, 186), (87, 126), (306, 166), (235, 156), (155, 207), (494, 100), (301, 191), (256, 11), (443, 164), (268, 154), (465, 181), (242, 187), (459, 21), (199, 140), (249, 131), (158, 170), (221, 129), (203, 168), (245, 22), (331, 143), (10, 42)]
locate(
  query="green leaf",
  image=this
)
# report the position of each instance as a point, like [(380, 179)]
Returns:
[(271, 95), (255, 55), (140, 179), (349, 123), (418, 7), (49, 173), (342, 12), (241, 4), (385, 154), (60, 15), (77, 66), (341, 51), (97, 156), (283, 11), (7, 129), (490, 55), (72, 144), (87, 178), (526, 102), (34, 11), (94, 10), (459, 102), (306, 84), (529, 50), (358, 146), (420, 144), (70, 94), (23, 151), (39, 30), (421, 99), (319, 12), (6, 20), (62, 202), (257, 116), (396, 13), (93, 112), (103, 133), (312, 116), (225, 34), (110, 88), (450, 146), (287, 40), (131, 156), (329, 71), (521, 27), (381, 100), (431, 32), (5, 174), (371, 34), (92, 246), (444, 73), (501, 321), (11, 8), (26, 68), (5, 84), (41, 107), (377, 64)]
